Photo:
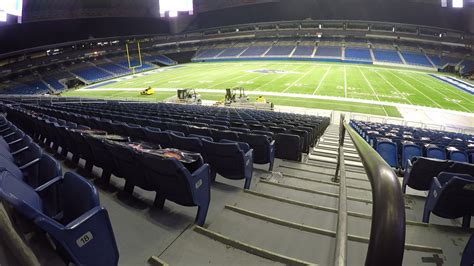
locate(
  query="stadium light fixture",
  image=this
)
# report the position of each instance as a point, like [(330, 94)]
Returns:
[(3, 16), (458, 3)]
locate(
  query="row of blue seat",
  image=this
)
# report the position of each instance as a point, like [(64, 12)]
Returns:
[(397, 151), (67, 208), (291, 139), (173, 135), (168, 177)]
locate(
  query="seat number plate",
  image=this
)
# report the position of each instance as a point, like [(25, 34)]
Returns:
[(83, 240)]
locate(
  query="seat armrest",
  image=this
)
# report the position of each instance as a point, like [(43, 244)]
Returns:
[(26, 165), (272, 143), (204, 169), (15, 141), (50, 183), (20, 150)]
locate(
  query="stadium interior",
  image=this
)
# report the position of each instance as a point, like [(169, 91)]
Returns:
[(235, 132)]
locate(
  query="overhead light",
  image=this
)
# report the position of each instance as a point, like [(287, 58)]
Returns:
[(458, 3)]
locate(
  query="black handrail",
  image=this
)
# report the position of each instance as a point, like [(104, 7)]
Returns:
[(387, 234)]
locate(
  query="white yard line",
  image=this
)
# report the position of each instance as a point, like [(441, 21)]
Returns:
[(391, 85), (322, 80), (442, 95), (372, 88), (370, 85), (449, 87), (296, 81), (416, 89), (345, 82)]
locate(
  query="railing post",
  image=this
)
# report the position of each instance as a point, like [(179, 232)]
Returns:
[(342, 133)]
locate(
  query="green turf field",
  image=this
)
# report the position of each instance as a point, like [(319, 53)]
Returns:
[(376, 84)]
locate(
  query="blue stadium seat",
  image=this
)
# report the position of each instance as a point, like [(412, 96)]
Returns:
[(421, 170), (83, 231), (263, 148), (433, 151), (451, 196), (288, 146), (458, 156), (191, 144), (230, 159), (225, 134), (410, 150), (388, 151), (172, 181)]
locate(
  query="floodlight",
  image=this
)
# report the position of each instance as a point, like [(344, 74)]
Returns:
[(458, 3)]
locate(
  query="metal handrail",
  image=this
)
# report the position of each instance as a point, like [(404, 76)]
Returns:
[(340, 254), (387, 234)]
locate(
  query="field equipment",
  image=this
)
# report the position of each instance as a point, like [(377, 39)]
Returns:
[(189, 96), (235, 95), (148, 91), (186, 96)]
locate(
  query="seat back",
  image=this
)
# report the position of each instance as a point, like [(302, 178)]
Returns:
[(408, 152), (102, 157), (260, 145), (458, 156), (187, 143), (226, 159), (388, 151), (225, 134), (77, 197), (423, 171), (456, 197), (435, 152), (158, 137), (462, 168), (20, 196), (288, 146), (169, 177)]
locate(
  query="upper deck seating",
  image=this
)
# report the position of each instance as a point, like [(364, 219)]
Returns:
[(255, 51), (358, 54), (387, 56), (329, 51), (232, 52), (280, 51), (92, 74), (417, 59), (303, 51)]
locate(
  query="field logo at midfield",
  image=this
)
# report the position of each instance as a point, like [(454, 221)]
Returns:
[(270, 71), (460, 84)]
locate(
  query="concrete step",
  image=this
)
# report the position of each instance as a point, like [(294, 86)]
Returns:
[(196, 248), (276, 236)]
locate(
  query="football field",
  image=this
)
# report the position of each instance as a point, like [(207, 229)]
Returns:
[(335, 86)]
